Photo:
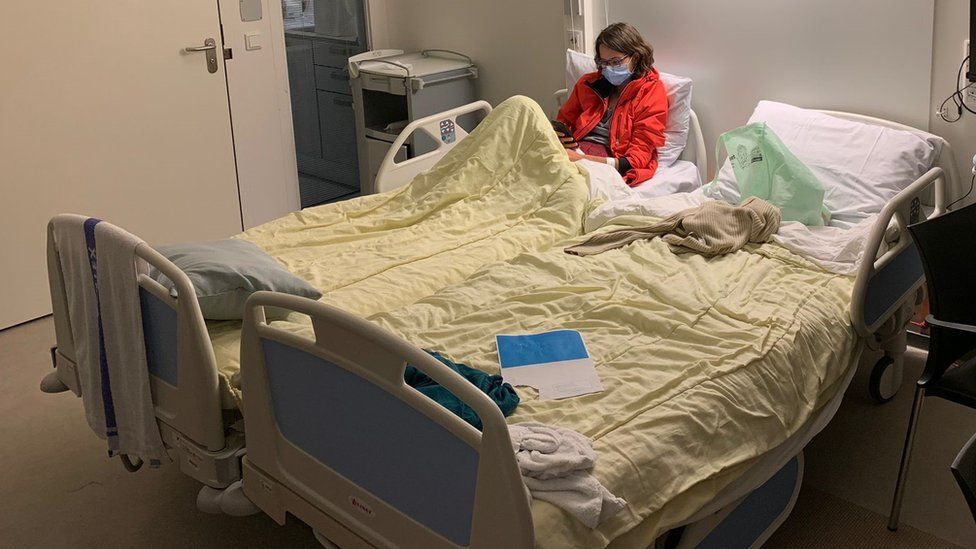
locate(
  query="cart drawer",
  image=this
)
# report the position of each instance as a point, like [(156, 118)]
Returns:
[(333, 54), (332, 79), (337, 125), (337, 172)]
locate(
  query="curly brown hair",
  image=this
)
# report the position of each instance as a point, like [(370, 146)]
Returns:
[(626, 39)]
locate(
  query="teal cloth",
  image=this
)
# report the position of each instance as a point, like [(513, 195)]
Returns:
[(502, 393)]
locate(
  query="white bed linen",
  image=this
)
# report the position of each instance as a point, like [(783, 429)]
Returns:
[(835, 249), (606, 182), (862, 166)]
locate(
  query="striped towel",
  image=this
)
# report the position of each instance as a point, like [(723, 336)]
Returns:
[(98, 263), (712, 228)]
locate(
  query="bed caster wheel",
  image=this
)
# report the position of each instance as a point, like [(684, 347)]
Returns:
[(52, 384), (885, 379), (229, 501)]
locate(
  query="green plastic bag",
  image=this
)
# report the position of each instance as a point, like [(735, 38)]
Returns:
[(764, 167)]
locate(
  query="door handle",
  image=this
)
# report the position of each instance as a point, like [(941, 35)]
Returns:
[(210, 47), (191, 49)]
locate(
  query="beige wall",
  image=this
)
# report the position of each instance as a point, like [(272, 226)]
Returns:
[(951, 29), (861, 56), (517, 44)]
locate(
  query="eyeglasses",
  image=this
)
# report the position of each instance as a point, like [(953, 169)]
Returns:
[(615, 62)]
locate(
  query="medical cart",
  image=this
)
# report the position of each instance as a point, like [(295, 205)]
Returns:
[(391, 88)]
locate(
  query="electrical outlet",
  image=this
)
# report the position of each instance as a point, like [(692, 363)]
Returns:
[(575, 39)]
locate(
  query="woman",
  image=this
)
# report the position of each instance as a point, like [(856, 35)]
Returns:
[(618, 114)]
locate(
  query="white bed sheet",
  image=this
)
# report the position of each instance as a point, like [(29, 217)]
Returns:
[(606, 182), (834, 249)]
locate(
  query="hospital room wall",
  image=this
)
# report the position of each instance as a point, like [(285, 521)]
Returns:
[(951, 31), (517, 45), (832, 54)]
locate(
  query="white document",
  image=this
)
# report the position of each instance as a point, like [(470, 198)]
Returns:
[(555, 363)]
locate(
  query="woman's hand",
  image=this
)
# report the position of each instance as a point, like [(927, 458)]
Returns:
[(567, 141), (574, 156)]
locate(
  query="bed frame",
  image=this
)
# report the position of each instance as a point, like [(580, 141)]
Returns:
[(207, 439)]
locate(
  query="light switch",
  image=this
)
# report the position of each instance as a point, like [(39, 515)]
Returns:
[(252, 41)]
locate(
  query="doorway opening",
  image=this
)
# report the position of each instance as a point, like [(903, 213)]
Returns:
[(320, 37)]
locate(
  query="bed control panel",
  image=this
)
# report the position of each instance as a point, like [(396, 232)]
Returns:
[(448, 133)]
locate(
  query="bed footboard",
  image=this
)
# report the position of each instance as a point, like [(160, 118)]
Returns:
[(443, 128), (337, 438), (181, 363)]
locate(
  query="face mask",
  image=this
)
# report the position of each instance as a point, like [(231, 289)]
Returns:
[(617, 75)]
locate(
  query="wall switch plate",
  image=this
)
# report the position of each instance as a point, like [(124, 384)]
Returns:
[(252, 41), (575, 39)]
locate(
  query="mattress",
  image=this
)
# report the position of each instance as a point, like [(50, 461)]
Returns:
[(505, 189), (707, 364)]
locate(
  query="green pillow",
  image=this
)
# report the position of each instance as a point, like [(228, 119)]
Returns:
[(225, 273)]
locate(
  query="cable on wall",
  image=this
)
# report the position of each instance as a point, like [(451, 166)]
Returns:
[(957, 97)]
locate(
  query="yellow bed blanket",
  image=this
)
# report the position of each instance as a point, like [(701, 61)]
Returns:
[(706, 363), (506, 188)]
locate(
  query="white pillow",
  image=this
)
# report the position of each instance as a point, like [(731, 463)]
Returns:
[(862, 166), (678, 89)]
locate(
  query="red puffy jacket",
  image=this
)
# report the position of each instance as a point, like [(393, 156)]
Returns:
[(637, 127)]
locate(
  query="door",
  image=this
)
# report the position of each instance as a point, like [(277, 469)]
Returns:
[(103, 113)]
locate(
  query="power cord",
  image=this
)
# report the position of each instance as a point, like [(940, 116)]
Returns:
[(957, 97), (972, 183)]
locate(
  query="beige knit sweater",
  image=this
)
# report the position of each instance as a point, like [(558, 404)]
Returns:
[(712, 228)]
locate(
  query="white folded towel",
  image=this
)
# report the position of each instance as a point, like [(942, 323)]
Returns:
[(555, 463)]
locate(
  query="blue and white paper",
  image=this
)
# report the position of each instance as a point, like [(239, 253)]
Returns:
[(555, 363)]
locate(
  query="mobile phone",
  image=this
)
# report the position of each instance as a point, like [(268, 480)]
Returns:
[(567, 134)]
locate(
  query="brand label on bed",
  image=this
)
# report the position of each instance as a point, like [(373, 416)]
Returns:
[(360, 506)]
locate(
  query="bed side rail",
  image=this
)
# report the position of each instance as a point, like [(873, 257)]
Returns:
[(883, 285), (337, 438), (442, 127), (694, 150)]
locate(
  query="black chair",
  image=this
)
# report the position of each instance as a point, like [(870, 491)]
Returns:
[(949, 256), (964, 469)]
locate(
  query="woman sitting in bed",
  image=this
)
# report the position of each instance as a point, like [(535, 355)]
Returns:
[(618, 114)]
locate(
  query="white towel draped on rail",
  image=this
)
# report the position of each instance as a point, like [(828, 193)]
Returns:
[(99, 266), (555, 463)]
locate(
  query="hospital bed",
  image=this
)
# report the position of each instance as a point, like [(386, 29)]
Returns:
[(205, 437), (390, 468), (198, 421)]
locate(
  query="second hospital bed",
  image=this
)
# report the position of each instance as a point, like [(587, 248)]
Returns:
[(478, 198), (716, 373)]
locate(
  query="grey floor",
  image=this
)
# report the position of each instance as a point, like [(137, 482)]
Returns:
[(58, 490)]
